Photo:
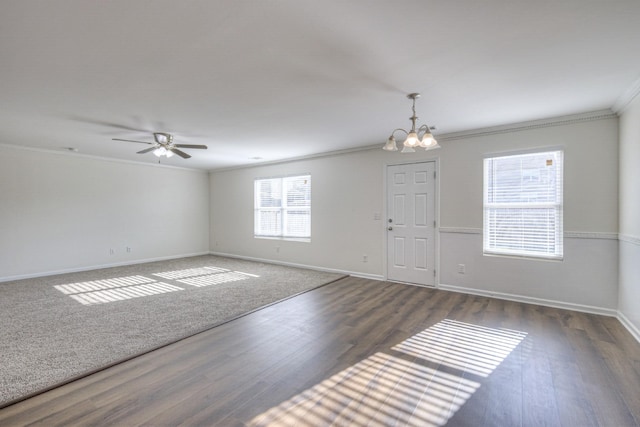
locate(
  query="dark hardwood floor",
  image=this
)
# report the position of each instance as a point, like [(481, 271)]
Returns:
[(360, 352)]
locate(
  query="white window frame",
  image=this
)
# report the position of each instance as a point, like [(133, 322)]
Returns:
[(282, 211), (497, 241)]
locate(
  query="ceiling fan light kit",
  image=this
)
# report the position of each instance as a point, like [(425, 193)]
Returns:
[(161, 151), (164, 146), (420, 138)]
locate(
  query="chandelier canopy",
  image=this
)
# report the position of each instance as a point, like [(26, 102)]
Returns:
[(415, 138)]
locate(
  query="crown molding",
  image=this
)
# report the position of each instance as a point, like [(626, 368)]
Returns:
[(626, 98), (529, 125), (513, 127), (299, 158), (63, 152)]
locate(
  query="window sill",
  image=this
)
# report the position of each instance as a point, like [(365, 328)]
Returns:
[(522, 257), (288, 239)]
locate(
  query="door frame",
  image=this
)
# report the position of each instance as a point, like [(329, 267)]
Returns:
[(436, 201)]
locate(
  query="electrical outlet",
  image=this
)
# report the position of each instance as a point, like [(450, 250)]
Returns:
[(461, 269), (365, 258), (111, 251), (128, 250), (277, 249)]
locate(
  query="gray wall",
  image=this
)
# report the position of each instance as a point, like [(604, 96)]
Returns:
[(61, 212), (587, 277), (629, 295), (348, 191)]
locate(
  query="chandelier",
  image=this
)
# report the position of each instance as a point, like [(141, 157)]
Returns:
[(415, 138)]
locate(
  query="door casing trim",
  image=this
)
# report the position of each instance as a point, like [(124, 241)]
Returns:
[(436, 208)]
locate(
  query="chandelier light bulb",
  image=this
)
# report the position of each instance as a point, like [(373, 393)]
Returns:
[(407, 149), (412, 140), (390, 145), (428, 140), (434, 144)]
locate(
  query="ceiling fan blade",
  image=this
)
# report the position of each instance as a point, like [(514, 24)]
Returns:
[(204, 147), (146, 150), (131, 140), (107, 124), (179, 153)]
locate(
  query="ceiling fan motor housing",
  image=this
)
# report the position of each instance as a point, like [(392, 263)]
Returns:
[(163, 137)]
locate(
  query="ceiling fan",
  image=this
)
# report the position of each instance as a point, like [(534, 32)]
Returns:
[(164, 146)]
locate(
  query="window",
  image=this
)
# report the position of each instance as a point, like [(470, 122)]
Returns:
[(523, 205), (283, 207)]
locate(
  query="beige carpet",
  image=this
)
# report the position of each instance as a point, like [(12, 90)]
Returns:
[(57, 328)]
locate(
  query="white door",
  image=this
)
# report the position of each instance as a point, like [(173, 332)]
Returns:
[(411, 223)]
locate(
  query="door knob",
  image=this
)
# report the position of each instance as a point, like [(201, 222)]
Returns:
[(390, 228)]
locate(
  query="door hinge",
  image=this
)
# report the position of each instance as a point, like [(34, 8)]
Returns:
[(434, 273), (434, 174), (434, 223)]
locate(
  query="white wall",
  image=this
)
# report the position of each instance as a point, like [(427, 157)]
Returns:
[(345, 194), (348, 189), (588, 276), (60, 212), (629, 295)]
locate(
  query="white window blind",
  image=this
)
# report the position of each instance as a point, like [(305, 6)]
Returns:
[(283, 207), (523, 205)]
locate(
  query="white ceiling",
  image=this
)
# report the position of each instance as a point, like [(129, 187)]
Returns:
[(280, 79)]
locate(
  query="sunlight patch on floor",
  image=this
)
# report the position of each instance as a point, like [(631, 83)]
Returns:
[(189, 272), (407, 390), (464, 346), (205, 276), (123, 288), (96, 285), (214, 279), (381, 390), (116, 289)]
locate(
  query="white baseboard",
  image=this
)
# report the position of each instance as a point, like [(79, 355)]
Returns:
[(96, 267), (532, 300), (629, 239), (633, 330), (377, 277), (308, 267)]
